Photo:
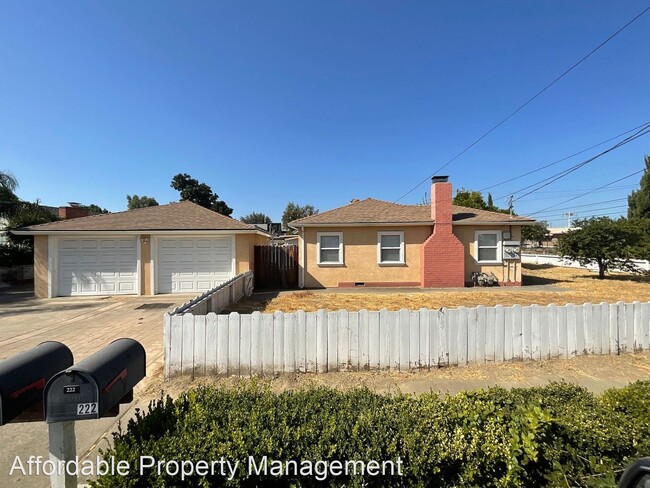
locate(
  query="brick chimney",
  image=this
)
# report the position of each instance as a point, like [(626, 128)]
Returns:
[(72, 211), (442, 255)]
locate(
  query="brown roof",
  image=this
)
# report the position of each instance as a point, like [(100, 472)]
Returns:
[(371, 211), (173, 216)]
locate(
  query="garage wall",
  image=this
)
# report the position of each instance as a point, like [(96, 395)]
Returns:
[(245, 244), (145, 265), (40, 266)]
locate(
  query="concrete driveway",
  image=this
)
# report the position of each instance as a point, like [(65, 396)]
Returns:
[(84, 325)]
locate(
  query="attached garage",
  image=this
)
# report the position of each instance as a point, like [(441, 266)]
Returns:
[(186, 265), (97, 267)]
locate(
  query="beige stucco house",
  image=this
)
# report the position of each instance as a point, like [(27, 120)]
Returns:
[(376, 243), (175, 248)]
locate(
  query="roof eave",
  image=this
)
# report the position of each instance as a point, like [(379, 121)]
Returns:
[(140, 232)]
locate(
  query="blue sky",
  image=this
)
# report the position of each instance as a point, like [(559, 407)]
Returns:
[(317, 102)]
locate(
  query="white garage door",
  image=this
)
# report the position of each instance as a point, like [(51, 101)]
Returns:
[(97, 267), (193, 264)]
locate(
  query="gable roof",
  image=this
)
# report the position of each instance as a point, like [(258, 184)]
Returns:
[(173, 216), (372, 211)]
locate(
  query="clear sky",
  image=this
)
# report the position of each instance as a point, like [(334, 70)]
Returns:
[(318, 102)]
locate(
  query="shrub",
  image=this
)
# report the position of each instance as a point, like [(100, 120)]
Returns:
[(556, 435), (15, 255)]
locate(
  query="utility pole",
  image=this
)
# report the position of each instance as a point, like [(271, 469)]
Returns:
[(510, 204), (568, 216)]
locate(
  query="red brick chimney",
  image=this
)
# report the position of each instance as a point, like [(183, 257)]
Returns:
[(442, 256), (72, 211)]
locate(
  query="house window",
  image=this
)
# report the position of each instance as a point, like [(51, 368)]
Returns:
[(390, 248), (330, 248), (487, 246)]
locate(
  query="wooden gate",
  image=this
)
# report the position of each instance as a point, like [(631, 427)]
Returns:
[(276, 267)]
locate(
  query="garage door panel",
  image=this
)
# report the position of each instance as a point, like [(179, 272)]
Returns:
[(193, 265), (97, 266)]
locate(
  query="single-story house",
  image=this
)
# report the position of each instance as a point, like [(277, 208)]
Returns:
[(377, 243), (175, 248)]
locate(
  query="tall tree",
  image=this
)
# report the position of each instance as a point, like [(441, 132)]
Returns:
[(27, 213), (294, 211), (474, 199), (638, 203), (608, 243), (135, 201), (256, 218), (191, 190), (490, 202)]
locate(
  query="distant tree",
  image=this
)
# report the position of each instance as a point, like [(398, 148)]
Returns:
[(94, 209), (134, 201), (199, 193), (27, 213), (537, 232), (256, 218), (8, 199), (474, 199), (638, 203), (294, 211), (603, 241)]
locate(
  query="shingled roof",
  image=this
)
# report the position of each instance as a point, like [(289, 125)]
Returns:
[(173, 216), (372, 211)]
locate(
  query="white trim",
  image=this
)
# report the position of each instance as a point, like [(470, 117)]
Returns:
[(499, 247), (138, 264), (303, 260), (153, 266), (89, 234), (410, 224), (52, 266), (233, 253), (402, 257), (503, 222), (341, 260)]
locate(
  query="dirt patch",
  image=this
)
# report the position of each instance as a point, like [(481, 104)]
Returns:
[(596, 373), (554, 285)]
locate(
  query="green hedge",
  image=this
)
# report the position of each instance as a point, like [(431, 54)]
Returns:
[(15, 255), (559, 435)]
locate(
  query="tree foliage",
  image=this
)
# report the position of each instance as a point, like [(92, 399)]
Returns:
[(293, 211), (638, 203), (25, 214), (474, 199), (135, 201), (256, 218), (192, 190), (8, 199), (608, 243), (537, 232), (94, 209)]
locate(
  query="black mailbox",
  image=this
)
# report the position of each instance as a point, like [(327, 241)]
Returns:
[(95, 387), (23, 378)]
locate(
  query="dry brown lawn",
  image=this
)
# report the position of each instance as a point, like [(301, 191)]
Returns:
[(553, 285)]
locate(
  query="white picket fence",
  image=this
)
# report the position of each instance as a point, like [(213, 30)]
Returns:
[(320, 342), (559, 261), (219, 297)]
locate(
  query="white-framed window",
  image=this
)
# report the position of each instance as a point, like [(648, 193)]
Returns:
[(330, 248), (487, 246), (390, 248)]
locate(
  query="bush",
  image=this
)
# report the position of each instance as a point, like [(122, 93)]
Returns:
[(557, 435), (15, 255)]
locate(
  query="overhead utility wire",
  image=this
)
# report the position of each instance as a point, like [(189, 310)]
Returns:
[(553, 178), (521, 107), (588, 192), (546, 216), (563, 159), (592, 204)]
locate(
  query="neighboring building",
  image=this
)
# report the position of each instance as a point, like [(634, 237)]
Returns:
[(377, 243), (175, 248)]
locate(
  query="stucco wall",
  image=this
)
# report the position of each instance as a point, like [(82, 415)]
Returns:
[(360, 256), (507, 271), (145, 265), (40, 266), (245, 250)]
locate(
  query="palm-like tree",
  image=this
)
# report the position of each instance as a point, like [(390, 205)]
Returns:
[(8, 200), (8, 181)]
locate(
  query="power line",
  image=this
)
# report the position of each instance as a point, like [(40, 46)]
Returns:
[(546, 216), (578, 191), (553, 178), (587, 193), (592, 204), (522, 106), (563, 159)]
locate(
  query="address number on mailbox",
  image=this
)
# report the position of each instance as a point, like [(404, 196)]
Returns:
[(86, 408)]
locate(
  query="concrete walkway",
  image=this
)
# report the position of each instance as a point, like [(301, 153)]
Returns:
[(85, 325)]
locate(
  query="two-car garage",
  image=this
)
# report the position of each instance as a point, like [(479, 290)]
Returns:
[(110, 266)]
